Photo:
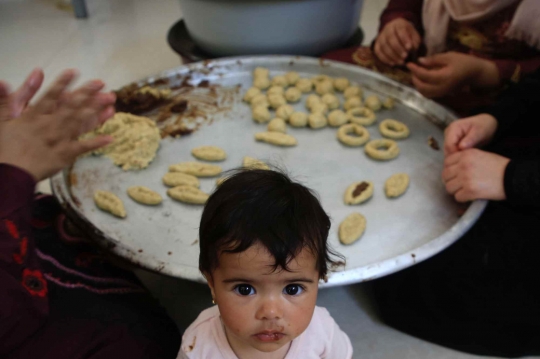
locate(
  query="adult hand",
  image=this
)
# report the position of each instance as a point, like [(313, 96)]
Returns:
[(440, 74), (395, 40), (474, 174), (43, 139), (469, 132)]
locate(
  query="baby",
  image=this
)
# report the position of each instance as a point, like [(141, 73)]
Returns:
[(263, 242)]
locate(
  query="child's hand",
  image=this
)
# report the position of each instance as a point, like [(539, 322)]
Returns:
[(44, 138), (469, 132), (395, 41), (475, 174), (441, 74)]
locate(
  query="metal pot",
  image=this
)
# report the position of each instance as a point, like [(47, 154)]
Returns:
[(297, 27)]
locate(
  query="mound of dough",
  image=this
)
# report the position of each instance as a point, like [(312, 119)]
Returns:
[(293, 94), (337, 118), (352, 228), (292, 77), (276, 100), (317, 120), (298, 119), (341, 83), (277, 125), (252, 92), (284, 112), (331, 101), (324, 87), (275, 90), (109, 202), (276, 138), (188, 194), (396, 185), (197, 169), (280, 80), (373, 102), (353, 91), (136, 140), (358, 192), (261, 114), (304, 85), (173, 179), (209, 153), (352, 102), (144, 195), (311, 100)]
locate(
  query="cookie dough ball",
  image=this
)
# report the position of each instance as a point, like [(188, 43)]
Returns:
[(341, 83), (324, 87), (259, 99), (277, 125), (319, 108), (284, 112), (251, 93), (292, 77), (304, 85), (276, 101), (261, 83), (352, 102), (293, 94), (320, 78), (373, 102), (317, 120), (261, 72), (353, 91), (312, 100), (389, 103), (337, 118), (298, 119), (331, 101), (261, 114), (280, 80), (275, 90)]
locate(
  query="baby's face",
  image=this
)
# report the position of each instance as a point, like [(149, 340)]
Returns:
[(260, 309)]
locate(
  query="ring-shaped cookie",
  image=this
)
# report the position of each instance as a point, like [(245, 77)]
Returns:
[(382, 149), (344, 135), (394, 129), (361, 116)]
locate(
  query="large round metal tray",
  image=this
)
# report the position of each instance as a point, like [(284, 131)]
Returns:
[(400, 232)]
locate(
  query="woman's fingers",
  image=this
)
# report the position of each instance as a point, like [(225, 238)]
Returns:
[(26, 92), (48, 102)]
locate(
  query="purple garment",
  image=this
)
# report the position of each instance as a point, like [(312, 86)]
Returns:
[(57, 301)]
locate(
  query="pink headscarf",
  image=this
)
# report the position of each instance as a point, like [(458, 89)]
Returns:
[(436, 16)]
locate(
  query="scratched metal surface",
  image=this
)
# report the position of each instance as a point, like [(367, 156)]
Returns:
[(400, 232)]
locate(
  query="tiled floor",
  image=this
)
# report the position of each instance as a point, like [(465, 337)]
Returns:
[(124, 40)]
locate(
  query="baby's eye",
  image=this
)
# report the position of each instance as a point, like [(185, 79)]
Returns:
[(293, 289), (244, 289)]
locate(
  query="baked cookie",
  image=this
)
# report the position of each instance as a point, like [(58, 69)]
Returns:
[(358, 192), (144, 195), (373, 103), (324, 87), (197, 169), (353, 135), (252, 92), (361, 116), (276, 100), (292, 77), (394, 129), (276, 138), (280, 80), (260, 114), (352, 102), (341, 83), (188, 194), (337, 118), (389, 103), (298, 119), (396, 185), (209, 153), (317, 120), (331, 101), (173, 179), (312, 100), (353, 91), (293, 94), (382, 150), (284, 112), (109, 202), (352, 228), (253, 163), (277, 125), (304, 85)]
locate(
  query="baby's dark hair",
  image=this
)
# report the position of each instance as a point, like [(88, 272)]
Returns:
[(266, 207)]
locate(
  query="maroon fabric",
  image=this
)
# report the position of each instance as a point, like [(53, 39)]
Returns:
[(57, 303)]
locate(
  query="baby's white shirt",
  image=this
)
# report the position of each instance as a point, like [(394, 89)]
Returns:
[(323, 339)]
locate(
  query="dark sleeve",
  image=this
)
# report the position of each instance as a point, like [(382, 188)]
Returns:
[(410, 10), (522, 182), (515, 70), (23, 291), (519, 105)]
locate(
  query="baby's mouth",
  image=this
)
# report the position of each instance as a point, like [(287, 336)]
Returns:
[(269, 336)]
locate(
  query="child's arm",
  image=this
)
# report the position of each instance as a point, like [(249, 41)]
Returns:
[(400, 31)]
